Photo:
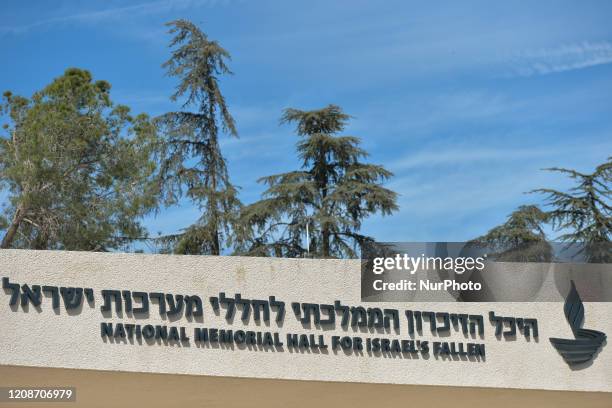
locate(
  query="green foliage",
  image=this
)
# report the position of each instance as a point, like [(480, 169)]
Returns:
[(190, 155), (520, 239), (76, 167), (584, 213), (331, 194)]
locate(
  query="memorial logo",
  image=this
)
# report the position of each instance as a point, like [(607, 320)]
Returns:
[(587, 342)]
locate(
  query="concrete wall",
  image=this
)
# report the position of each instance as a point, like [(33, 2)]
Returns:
[(48, 338)]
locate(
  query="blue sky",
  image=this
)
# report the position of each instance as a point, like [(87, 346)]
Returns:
[(465, 102)]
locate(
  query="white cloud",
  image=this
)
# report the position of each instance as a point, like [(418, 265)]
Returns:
[(465, 155), (546, 155), (156, 7), (563, 58)]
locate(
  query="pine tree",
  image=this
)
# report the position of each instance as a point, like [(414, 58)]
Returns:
[(330, 195), (191, 159), (77, 168), (584, 214), (520, 239)]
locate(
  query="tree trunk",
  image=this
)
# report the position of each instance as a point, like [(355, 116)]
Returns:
[(216, 249), (325, 243), (8, 238)]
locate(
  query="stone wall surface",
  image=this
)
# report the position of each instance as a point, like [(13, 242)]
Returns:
[(44, 337)]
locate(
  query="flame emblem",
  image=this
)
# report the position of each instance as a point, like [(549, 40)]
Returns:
[(587, 342)]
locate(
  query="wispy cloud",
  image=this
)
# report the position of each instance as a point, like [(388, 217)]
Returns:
[(546, 155), (564, 58), (94, 16), (456, 156)]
